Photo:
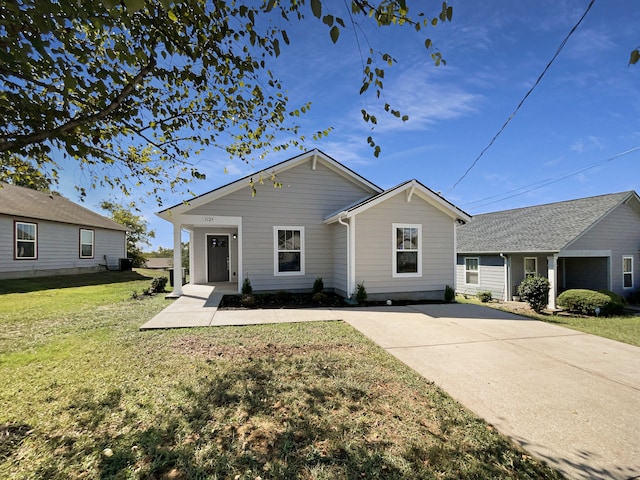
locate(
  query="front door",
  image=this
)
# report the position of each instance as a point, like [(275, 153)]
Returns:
[(217, 258)]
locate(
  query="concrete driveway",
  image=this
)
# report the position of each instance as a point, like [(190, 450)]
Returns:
[(569, 398)]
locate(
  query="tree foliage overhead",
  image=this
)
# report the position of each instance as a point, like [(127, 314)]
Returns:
[(132, 90)]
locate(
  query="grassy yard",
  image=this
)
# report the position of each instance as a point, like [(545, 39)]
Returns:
[(624, 328), (86, 395)]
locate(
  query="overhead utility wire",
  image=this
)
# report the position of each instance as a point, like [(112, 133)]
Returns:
[(473, 164), (547, 181)]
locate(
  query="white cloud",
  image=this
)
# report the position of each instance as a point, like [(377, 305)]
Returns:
[(586, 144)]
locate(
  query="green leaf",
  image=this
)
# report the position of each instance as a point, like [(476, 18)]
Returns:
[(428, 43), (316, 8), (134, 5), (270, 5), (285, 37), (334, 33), (327, 20), (635, 57), (172, 16)]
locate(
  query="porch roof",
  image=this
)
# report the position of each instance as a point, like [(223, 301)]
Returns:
[(541, 228)]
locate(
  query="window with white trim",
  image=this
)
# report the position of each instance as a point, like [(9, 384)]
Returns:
[(530, 267), (471, 271), (86, 243), (288, 250), (407, 251), (26, 240), (627, 272)]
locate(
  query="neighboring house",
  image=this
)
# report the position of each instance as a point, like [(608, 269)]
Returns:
[(45, 234), (158, 263), (325, 221), (588, 243)]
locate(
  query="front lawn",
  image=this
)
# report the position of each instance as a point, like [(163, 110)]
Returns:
[(86, 395), (623, 328)]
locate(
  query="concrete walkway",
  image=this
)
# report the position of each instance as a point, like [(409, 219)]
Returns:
[(568, 398)]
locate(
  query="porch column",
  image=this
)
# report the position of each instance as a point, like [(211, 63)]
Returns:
[(552, 275), (177, 260)]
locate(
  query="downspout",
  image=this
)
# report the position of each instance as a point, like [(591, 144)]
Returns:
[(341, 222), (507, 278)]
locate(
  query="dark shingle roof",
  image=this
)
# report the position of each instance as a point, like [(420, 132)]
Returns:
[(541, 228), (28, 203)]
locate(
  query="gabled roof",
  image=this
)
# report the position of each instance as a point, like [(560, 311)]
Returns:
[(541, 228), (27, 203), (313, 155), (411, 187)]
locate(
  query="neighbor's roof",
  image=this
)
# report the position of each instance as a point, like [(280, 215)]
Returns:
[(28, 203), (541, 228)]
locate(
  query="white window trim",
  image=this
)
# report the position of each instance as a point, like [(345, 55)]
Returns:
[(476, 271), (275, 251), (34, 241), (524, 266), (93, 243), (630, 257), (394, 251)]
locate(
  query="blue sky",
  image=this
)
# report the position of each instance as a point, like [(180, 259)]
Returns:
[(560, 145)]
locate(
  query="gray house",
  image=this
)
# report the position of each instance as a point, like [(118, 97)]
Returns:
[(589, 243), (323, 221), (44, 234)]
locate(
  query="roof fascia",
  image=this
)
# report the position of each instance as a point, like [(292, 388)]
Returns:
[(313, 155)]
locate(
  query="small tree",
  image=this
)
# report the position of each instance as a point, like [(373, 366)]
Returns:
[(535, 291), (137, 235)]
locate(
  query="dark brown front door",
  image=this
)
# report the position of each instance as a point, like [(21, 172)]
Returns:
[(217, 258)]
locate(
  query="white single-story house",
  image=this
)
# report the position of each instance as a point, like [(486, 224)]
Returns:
[(325, 221), (591, 243), (46, 234)]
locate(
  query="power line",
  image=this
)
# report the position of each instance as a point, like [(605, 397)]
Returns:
[(473, 164), (548, 181)]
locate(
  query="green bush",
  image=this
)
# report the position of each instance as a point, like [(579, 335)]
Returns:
[(320, 298), (585, 302), (634, 297), (361, 293), (157, 285), (535, 291), (246, 286), (484, 296), (282, 296), (247, 300), (449, 294), (318, 285)]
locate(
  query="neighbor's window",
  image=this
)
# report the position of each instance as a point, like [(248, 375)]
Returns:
[(289, 250), (530, 267), (407, 254), (627, 272), (471, 270), (86, 243), (26, 240)]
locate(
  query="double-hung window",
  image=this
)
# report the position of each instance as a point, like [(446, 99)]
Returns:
[(26, 240), (288, 251), (627, 272), (407, 250), (530, 267), (471, 270), (86, 243)]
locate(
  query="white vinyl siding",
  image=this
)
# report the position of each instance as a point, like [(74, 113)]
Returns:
[(406, 241), (288, 250), (57, 249), (627, 272), (26, 240), (86, 243), (305, 199), (471, 271)]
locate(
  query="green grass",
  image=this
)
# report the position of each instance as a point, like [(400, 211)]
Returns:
[(622, 328), (86, 395)]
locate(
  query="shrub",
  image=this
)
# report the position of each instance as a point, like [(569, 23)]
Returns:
[(318, 285), (157, 284), (320, 298), (449, 294), (634, 297), (361, 293), (247, 300), (535, 291), (586, 301), (282, 296), (484, 296), (246, 286)]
